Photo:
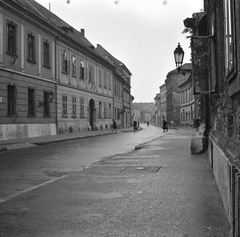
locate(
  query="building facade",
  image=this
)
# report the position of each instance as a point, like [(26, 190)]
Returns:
[(122, 89), (53, 80), (27, 74), (187, 102), (174, 79), (216, 68), (157, 103), (137, 115), (163, 105)]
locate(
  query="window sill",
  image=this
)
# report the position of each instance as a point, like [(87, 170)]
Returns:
[(12, 54), (31, 61), (46, 66)]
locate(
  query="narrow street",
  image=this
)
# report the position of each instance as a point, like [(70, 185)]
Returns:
[(158, 189)]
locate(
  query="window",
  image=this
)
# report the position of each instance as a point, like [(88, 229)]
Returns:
[(46, 104), (64, 106), (65, 63), (11, 38), (115, 88), (109, 111), (81, 108), (46, 54), (100, 110), (100, 77), (31, 102), (91, 75), (109, 82), (82, 70), (74, 107), (105, 110), (229, 42), (11, 100), (105, 79), (31, 47), (117, 115), (74, 66)]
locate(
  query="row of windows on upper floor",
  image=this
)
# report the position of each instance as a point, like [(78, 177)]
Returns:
[(104, 77), (186, 96)]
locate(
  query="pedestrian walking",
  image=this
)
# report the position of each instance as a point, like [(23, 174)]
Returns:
[(135, 127), (165, 125), (147, 123), (197, 124), (114, 126)]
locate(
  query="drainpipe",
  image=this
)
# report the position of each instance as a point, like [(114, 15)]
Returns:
[(55, 72)]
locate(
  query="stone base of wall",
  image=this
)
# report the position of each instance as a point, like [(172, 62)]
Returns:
[(221, 170), (223, 157), (81, 126), (18, 131), (70, 126)]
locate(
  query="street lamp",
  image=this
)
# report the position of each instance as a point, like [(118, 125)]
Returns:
[(178, 56)]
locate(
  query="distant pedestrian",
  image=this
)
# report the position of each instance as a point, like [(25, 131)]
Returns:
[(114, 126), (135, 126), (197, 124), (192, 123), (165, 125), (147, 123)]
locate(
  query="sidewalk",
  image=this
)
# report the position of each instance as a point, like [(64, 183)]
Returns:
[(37, 141)]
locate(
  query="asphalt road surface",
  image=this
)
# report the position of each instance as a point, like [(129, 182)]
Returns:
[(25, 169)]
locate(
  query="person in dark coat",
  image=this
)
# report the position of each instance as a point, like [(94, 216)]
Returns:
[(114, 126), (197, 124), (135, 126), (165, 125)]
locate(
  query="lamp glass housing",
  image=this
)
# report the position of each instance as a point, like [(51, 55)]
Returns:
[(178, 56)]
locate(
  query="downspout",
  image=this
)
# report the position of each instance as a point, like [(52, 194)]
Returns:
[(55, 72)]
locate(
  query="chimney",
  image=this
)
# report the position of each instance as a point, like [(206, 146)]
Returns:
[(83, 32)]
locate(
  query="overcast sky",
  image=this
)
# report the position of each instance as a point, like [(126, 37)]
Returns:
[(141, 33)]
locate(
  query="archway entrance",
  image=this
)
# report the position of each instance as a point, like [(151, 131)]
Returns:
[(92, 114)]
